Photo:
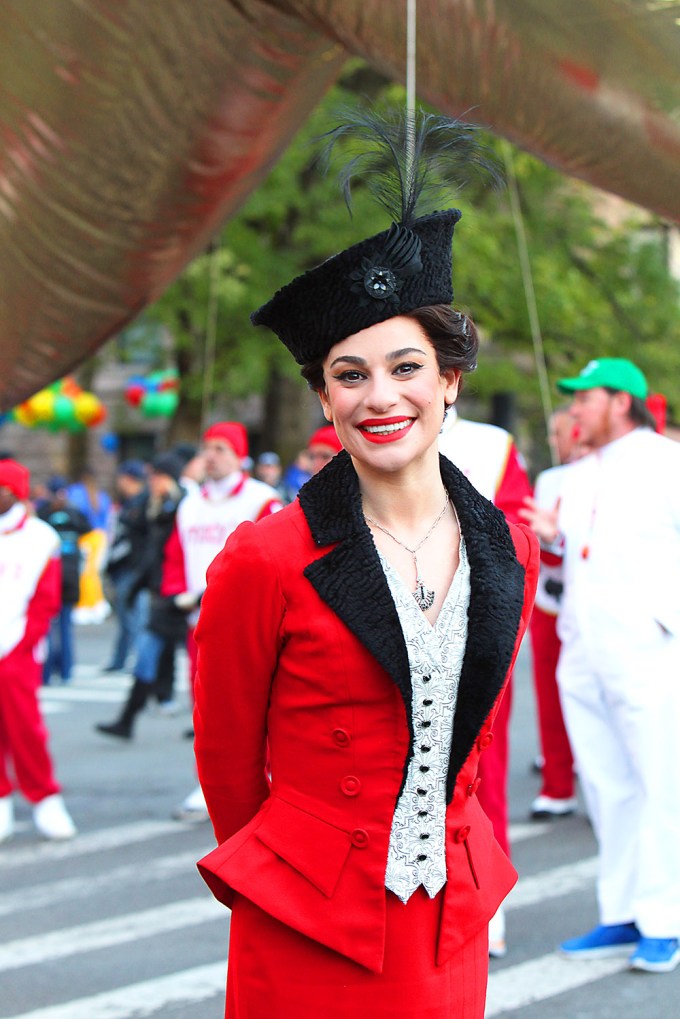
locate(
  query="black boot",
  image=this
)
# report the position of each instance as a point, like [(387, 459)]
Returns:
[(122, 727)]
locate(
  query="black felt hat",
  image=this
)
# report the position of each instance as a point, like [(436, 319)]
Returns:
[(392, 273), (409, 163)]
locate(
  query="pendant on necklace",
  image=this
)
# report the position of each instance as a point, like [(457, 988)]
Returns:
[(423, 595)]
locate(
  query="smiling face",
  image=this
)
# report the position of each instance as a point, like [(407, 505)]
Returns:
[(385, 394)]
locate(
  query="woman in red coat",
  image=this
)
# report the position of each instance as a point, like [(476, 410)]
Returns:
[(359, 642)]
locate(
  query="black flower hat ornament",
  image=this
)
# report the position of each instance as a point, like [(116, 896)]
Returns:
[(381, 274), (407, 163)]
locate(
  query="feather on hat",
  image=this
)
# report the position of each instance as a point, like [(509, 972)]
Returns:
[(408, 164)]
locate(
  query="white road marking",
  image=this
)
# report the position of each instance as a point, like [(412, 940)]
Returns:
[(138, 1001), (63, 695), (69, 889), (527, 830), (551, 884), (540, 979), (119, 930), (93, 842)]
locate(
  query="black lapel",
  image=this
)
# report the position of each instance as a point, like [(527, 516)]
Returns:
[(351, 581), (350, 578), (496, 599)]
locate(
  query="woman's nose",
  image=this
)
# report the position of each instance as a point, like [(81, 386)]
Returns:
[(382, 393)]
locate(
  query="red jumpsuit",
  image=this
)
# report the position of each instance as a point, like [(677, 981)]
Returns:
[(30, 594)]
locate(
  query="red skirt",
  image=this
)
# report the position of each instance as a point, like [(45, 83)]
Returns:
[(277, 973)]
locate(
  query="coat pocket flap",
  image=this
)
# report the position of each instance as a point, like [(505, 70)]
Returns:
[(316, 849)]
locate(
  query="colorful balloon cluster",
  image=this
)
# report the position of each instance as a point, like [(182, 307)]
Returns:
[(156, 395), (62, 405)]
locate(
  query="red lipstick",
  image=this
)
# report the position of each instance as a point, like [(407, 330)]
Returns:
[(397, 428)]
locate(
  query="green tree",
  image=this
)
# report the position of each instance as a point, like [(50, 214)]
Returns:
[(601, 289)]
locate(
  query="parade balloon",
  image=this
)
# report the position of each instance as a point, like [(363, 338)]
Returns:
[(130, 138), (157, 404), (110, 443), (86, 407), (134, 394), (24, 415), (42, 406), (64, 411)]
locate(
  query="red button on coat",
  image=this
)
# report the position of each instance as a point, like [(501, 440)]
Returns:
[(341, 737), (350, 785), (360, 838), (462, 833), (473, 787), (485, 741)]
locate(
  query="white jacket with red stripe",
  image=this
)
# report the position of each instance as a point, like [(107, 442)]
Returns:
[(207, 516)]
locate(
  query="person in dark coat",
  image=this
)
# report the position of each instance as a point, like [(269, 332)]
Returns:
[(161, 572), (125, 551), (70, 524)]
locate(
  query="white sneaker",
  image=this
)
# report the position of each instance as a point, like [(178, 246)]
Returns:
[(547, 806), (497, 946), (53, 820), (169, 708), (193, 809), (6, 818)]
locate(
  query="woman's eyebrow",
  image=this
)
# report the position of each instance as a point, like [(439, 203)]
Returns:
[(393, 356)]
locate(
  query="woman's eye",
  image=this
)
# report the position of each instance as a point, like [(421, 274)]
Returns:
[(349, 376), (408, 368)]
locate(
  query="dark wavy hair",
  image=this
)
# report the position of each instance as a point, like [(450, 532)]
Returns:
[(638, 412), (452, 334)]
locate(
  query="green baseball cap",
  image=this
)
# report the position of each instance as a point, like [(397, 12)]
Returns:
[(610, 373)]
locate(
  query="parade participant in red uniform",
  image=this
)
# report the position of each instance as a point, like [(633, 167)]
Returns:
[(488, 457), (205, 519), (352, 653), (30, 595)]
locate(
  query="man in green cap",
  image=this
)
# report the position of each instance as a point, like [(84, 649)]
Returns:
[(617, 528)]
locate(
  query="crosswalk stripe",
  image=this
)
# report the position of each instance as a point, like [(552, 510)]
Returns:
[(69, 889), (137, 1001), (91, 842), (520, 832), (551, 884), (66, 694), (105, 933), (543, 978)]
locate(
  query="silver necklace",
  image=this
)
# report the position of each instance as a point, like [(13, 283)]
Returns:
[(423, 595)]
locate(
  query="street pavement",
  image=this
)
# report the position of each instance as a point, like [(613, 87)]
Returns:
[(118, 925)]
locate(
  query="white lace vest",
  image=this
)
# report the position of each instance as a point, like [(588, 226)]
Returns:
[(417, 853)]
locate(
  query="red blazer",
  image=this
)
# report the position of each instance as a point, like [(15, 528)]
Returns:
[(301, 654)]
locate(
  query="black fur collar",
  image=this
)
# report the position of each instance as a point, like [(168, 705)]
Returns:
[(350, 579)]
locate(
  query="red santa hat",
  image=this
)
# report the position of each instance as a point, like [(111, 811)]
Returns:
[(326, 436), (16, 477), (232, 432)]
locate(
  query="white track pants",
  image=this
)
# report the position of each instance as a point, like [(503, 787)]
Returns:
[(622, 712)]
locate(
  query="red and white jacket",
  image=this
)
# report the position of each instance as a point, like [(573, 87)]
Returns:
[(488, 458), (30, 579), (207, 516)]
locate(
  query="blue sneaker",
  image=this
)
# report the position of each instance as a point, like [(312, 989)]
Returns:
[(656, 955), (615, 939)]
